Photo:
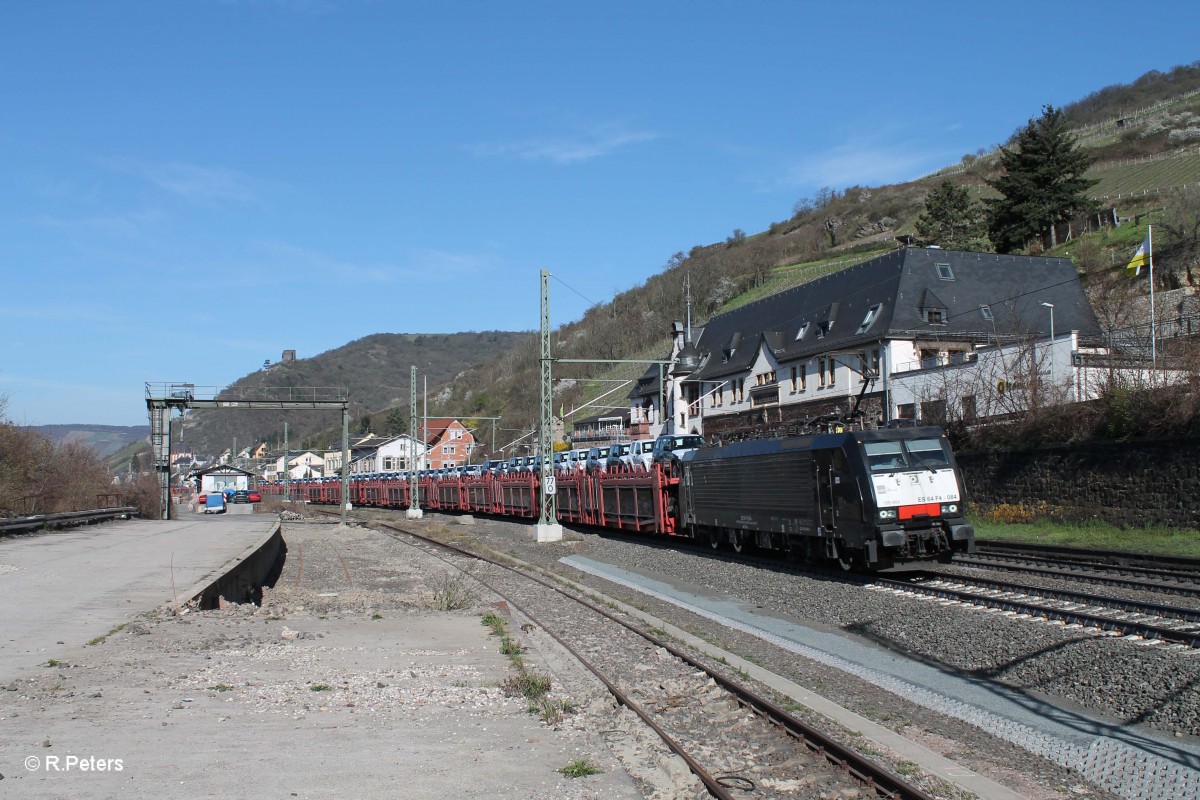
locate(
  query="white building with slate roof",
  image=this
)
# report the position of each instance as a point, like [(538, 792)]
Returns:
[(884, 335)]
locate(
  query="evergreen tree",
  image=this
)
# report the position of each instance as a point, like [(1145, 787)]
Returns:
[(397, 420), (951, 219), (1042, 184)]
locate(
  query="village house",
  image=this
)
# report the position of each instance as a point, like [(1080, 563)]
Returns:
[(861, 338), (221, 478), (448, 443), (306, 464), (380, 454)]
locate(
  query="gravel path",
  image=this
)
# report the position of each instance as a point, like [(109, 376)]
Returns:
[(347, 683)]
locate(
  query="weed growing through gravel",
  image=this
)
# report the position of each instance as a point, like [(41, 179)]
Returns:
[(103, 636), (580, 768), (320, 687), (493, 620), (551, 710), (221, 687), (533, 686), (377, 616), (54, 662), (455, 591), (526, 683)]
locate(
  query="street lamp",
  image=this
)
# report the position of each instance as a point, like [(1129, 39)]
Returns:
[(1051, 307)]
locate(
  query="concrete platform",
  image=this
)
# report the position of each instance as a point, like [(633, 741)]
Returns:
[(346, 683), (62, 590)]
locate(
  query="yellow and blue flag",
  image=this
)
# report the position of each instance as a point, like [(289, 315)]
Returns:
[(1140, 259)]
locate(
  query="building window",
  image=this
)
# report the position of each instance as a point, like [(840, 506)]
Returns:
[(968, 408), (764, 378), (872, 313), (935, 316), (986, 312), (449, 450), (832, 374), (800, 333), (906, 411), (764, 398), (794, 381), (933, 412), (739, 390), (944, 272)]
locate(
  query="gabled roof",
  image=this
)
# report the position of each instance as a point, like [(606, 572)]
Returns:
[(437, 427), (885, 298)]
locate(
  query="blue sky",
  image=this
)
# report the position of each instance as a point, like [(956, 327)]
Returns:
[(188, 187)]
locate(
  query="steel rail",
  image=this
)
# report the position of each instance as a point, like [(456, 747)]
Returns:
[(710, 783), (1118, 556), (1122, 604), (1068, 567), (1146, 631), (875, 777), (1105, 579)]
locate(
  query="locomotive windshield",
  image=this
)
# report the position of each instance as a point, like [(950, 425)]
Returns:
[(927, 453)]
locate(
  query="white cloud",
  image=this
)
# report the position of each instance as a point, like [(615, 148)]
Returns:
[(66, 314), (582, 145), (862, 164), (132, 224), (191, 181), (420, 265)]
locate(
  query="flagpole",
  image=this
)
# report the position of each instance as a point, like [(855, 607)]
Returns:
[(1153, 329)]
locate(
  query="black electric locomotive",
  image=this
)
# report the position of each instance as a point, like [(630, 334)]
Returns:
[(866, 498)]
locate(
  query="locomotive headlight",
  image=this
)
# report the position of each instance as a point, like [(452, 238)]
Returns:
[(949, 508), (887, 513)]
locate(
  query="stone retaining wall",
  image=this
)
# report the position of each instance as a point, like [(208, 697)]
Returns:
[(1123, 483)]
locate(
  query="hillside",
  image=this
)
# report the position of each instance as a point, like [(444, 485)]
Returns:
[(375, 370), (104, 439), (1145, 138)]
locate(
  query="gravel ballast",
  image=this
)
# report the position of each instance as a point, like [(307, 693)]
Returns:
[(1151, 693)]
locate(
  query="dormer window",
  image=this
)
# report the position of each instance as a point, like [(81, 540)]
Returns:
[(732, 345), (869, 319), (944, 272), (932, 309), (827, 320)]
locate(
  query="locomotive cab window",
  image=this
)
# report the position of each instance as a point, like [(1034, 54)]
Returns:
[(927, 453), (884, 456), (924, 453)]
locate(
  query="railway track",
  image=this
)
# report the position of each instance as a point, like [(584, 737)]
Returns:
[(732, 738), (1178, 575), (1151, 621), (1102, 578)]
